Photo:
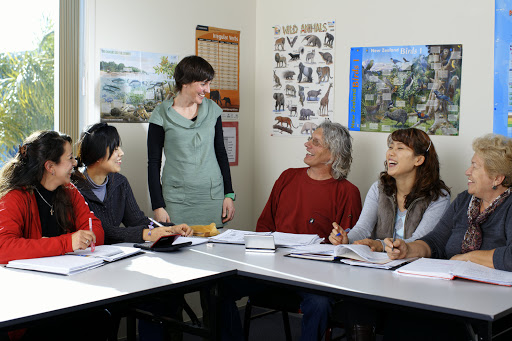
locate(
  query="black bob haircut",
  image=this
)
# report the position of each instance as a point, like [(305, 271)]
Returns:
[(95, 141)]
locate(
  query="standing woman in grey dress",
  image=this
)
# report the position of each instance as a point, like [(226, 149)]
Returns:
[(195, 186)]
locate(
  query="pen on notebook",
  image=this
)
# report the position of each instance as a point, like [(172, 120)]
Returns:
[(155, 222), (93, 246)]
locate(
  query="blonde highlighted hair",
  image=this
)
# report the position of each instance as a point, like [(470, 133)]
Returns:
[(496, 151)]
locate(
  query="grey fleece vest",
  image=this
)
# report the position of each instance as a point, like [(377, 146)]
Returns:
[(387, 213)]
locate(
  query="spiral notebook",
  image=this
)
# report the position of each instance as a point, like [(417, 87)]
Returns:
[(62, 265), (77, 261)]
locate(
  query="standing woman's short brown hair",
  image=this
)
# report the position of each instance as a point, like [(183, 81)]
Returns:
[(192, 69)]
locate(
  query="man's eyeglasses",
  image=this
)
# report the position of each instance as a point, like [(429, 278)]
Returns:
[(316, 142)]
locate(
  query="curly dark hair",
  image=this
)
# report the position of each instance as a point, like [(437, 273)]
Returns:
[(27, 168), (428, 181)]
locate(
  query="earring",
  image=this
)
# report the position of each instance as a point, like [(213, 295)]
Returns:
[(53, 173), (494, 187)]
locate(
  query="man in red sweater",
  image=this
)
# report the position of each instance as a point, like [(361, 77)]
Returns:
[(308, 200)]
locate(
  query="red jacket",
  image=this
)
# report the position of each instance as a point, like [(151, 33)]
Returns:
[(299, 204), (20, 227)]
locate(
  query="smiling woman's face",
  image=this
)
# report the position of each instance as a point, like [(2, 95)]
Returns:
[(196, 91), (479, 182), (65, 166), (112, 164), (401, 160)]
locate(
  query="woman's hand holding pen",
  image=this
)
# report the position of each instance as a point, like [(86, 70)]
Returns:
[(81, 239), (375, 245), (397, 249), (338, 235)]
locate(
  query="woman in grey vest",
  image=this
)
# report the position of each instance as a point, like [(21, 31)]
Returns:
[(195, 185), (406, 203)]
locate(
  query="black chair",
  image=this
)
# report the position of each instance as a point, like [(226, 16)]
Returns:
[(274, 301), (133, 313), (285, 302)]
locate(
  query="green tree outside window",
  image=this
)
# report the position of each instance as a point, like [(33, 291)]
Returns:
[(26, 92)]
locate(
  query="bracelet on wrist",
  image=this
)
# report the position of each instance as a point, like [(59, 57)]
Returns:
[(151, 227)]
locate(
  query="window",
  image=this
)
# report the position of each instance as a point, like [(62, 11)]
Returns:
[(27, 70)]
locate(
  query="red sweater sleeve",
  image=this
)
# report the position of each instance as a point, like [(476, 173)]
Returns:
[(20, 227)]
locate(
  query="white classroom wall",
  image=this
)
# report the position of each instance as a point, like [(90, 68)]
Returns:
[(169, 27), (378, 23)]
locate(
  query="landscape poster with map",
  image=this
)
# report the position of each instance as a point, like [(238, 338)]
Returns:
[(133, 83), (303, 77), (395, 87)]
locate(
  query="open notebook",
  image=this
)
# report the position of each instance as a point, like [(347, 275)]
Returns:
[(108, 253), (351, 254), (450, 269), (77, 261)]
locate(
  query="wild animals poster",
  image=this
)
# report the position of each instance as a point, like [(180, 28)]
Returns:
[(395, 87), (303, 77), (133, 83)]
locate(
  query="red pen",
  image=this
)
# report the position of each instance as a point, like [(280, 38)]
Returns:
[(93, 246)]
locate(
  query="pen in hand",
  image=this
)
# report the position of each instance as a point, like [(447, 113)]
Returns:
[(339, 233), (93, 246), (155, 222), (394, 237)]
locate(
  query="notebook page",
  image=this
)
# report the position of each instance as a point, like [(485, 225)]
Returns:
[(428, 267), (482, 273), (363, 251), (100, 251), (293, 239)]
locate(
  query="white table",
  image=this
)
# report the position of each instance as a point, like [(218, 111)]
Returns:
[(30, 296), (478, 302)]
